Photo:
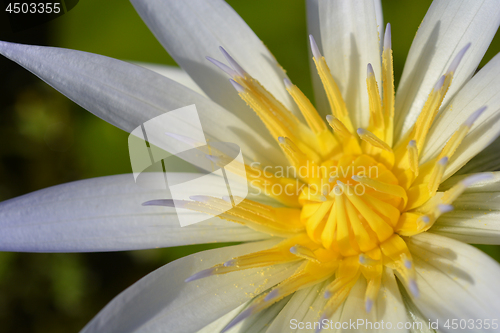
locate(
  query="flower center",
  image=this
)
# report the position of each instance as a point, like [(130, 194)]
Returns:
[(351, 196), (358, 206)]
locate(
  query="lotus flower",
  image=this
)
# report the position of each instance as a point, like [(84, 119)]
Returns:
[(344, 244)]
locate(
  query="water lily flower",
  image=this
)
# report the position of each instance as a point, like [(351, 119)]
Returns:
[(339, 247)]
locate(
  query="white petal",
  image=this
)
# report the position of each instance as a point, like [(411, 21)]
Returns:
[(306, 305), (487, 182), (419, 323), (456, 280), (487, 160), (353, 308), (127, 95), (349, 36), (389, 306), (447, 27), (313, 28), (471, 226), (163, 300), (173, 73), (481, 90), (103, 214), (380, 19), (256, 323), (219, 324), (193, 30), (260, 322), (476, 217)]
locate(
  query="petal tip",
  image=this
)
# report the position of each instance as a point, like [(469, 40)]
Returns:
[(473, 117), (458, 58), (241, 72), (368, 305), (160, 202), (369, 70), (314, 48), (412, 285), (226, 69), (388, 37), (239, 88)]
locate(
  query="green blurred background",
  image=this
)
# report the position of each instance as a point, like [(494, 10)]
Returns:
[(48, 140)]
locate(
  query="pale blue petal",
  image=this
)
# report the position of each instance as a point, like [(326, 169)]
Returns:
[(104, 214)]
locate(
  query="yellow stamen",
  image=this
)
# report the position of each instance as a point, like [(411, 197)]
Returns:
[(382, 187), (277, 125), (345, 239), (413, 157), (376, 116), (372, 291), (309, 274), (314, 222), (335, 99), (337, 291), (397, 252), (298, 155), (409, 224), (376, 223), (365, 259), (437, 175), (328, 234), (373, 274), (373, 140), (349, 141), (266, 181), (278, 221), (294, 155), (278, 254), (308, 111), (364, 241), (457, 137), (304, 253), (431, 107), (338, 127), (388, 86), (347, 268)]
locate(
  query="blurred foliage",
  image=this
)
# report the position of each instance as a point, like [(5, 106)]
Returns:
[(49, 140)]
